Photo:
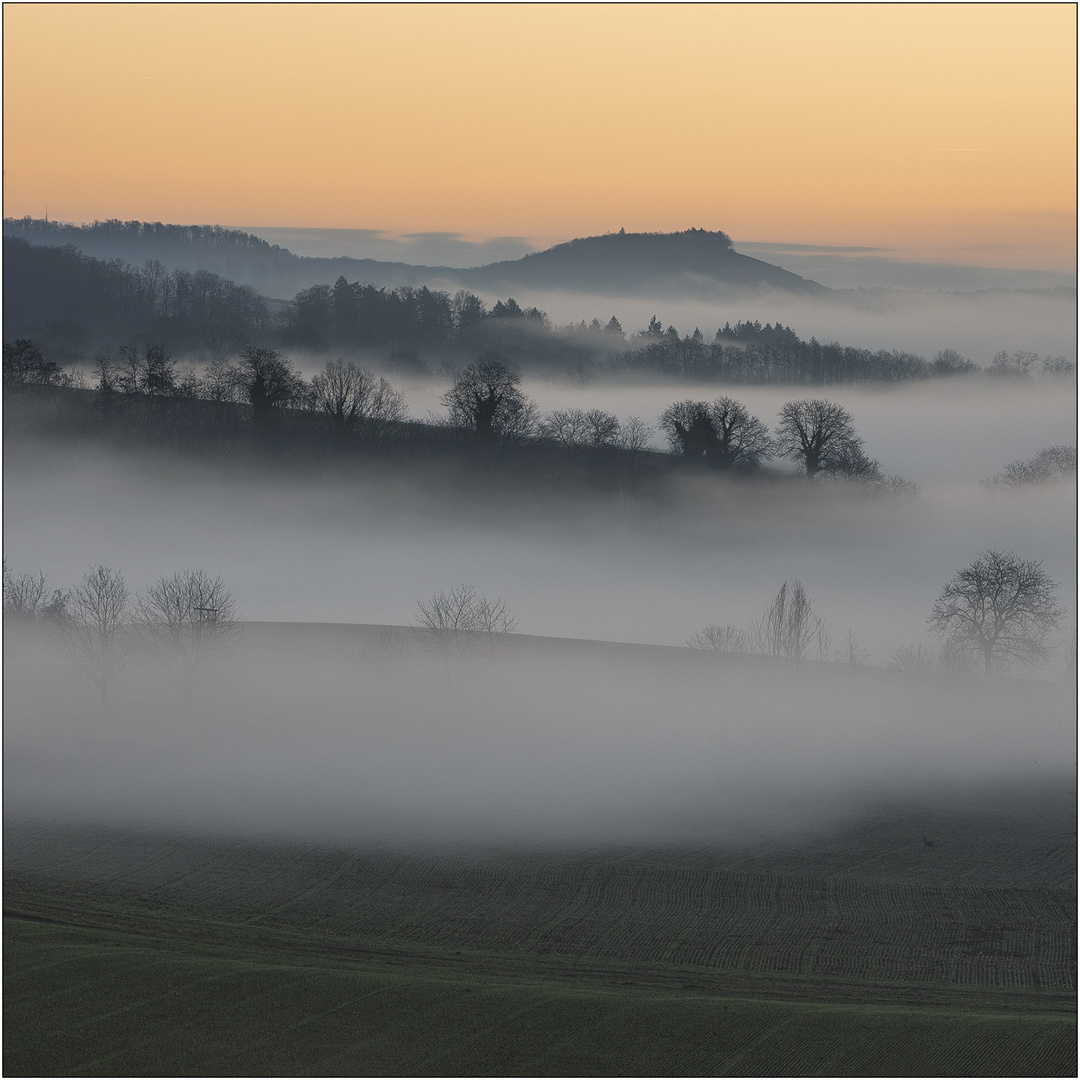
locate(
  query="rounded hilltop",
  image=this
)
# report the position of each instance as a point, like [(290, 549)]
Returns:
[(627, 261)]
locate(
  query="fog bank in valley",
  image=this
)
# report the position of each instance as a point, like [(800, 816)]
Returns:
[(366, 546), (327, 733), (976, 324), (371, 734), (935, 432)]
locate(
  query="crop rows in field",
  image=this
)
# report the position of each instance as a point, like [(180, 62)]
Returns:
[(689, 913), (97, 1002)]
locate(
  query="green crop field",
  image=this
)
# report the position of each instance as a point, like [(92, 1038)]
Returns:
[(849, 954)]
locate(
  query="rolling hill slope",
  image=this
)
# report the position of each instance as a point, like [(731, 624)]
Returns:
[(695, 260)]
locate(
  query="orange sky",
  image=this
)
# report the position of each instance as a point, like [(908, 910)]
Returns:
[(944, 131)]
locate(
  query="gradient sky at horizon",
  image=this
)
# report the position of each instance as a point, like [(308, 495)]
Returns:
[(941, 131)]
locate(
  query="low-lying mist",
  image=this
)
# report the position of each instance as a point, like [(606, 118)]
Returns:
[(978, 324), (934, 431), (351, 732), (336, 733), (366, 543)]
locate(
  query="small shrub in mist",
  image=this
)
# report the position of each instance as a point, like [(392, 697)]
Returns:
[(875, 485), (726, 638), (949, 659), (463, 621), (1048, 465), (952, 658), (24, 365), (949, 362), (912, 658), (893, 486), (388, 651), (182, 621), (408, 362), (790, 628), (851, 653)]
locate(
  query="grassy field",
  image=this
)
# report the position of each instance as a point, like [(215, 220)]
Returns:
[(852, 953)]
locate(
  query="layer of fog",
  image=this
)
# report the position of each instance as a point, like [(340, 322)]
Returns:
[(340, 733), (882, 268), (837, 268), (332, 734), (934, 432), (883, 303), (366, 547), (978, 325), (416, 249)]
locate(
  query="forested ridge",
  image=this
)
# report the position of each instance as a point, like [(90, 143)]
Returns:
[(78, 308)]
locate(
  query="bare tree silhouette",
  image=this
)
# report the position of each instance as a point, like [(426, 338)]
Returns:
[(96, 626), (1001, 607), (462, 621), (182, 621)]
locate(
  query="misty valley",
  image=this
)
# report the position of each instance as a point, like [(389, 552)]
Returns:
[(402, 658)]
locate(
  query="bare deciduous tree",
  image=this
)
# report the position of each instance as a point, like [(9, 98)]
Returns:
[(24, 594), (1001, 608), (486, 400), (721, 433), (574, 428), (634, 435), (851, 653), (1016, 366), (182, 621), (820, 435), (24, 365), (1050, 464), (725, 638), (222, 382), (601, 428), (564, 426), (790, 627), (269, 381), (949, 362), (896, 486), (96, 626), (912, 658), (355, 400), (632, 443)]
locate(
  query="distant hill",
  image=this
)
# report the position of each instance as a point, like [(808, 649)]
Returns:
[(632, 262), (270, 270), (690, 261)]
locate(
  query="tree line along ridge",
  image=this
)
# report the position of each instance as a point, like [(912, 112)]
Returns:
[(73, 304)]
